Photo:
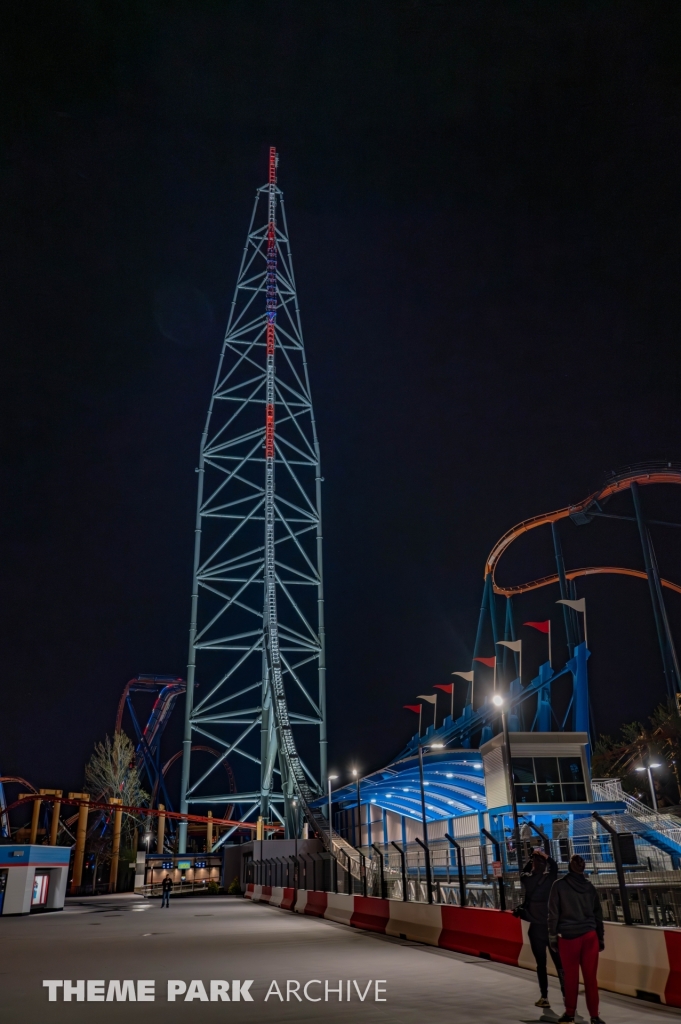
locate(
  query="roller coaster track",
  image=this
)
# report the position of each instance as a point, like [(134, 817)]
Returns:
[(582, 512), (17, 778), (229, 810), (147, 751), (5, 830), (147, 812), (293, 776)]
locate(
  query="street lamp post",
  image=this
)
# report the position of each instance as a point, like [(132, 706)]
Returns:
[(500, 703), (330, 779), (332, 861), (429, 879), (648, 768), (359, 808)]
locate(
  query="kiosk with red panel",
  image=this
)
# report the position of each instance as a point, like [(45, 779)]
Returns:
[(33, 878)]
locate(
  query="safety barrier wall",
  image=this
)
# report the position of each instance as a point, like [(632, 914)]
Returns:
[(638, 961)]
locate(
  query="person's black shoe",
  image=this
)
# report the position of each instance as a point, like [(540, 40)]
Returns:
[(597, 1020), (567, 1018)]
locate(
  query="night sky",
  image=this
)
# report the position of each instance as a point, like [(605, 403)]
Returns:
[(485, 214)]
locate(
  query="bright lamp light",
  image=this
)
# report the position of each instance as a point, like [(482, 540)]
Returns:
[(497, 700)]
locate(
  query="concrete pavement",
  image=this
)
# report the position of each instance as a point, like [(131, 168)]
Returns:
[(123, 938)]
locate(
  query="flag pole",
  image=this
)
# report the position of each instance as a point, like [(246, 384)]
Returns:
[(550, 666), (579, 606), (452, 711), (435, 713), (420, 713)]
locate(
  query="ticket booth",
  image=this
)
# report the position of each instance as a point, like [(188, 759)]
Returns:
[(33, 878)]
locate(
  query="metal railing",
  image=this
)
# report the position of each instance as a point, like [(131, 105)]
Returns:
[(637, 882), (179, 888), (668, 825)]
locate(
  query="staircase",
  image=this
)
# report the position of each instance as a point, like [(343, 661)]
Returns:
[(660, 830)]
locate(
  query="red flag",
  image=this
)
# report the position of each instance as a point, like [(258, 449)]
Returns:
[(490, 662), (413, 707), (543, 627), (447, 687)]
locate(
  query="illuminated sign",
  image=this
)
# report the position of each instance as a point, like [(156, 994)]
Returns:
[(184, 865), (199, 863)]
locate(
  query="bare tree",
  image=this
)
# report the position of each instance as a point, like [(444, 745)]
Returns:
[(112, 772)]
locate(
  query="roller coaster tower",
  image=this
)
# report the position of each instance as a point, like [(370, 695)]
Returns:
[(257, 611)]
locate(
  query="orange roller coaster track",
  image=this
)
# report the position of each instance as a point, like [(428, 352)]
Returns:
[(662, 474)]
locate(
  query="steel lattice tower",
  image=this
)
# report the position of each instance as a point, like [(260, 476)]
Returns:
[(257, 618)]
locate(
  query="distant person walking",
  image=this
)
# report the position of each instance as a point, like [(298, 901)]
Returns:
[(537, 877), (576, 931), (166, 889)]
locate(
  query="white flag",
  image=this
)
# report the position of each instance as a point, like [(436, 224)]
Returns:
[(579, 606), (514, 645), (464, 675), (424, 696)]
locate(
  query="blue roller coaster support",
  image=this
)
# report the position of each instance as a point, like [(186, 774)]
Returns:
[(483, 721), (580, 689)]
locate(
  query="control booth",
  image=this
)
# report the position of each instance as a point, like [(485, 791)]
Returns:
[(33, 878)]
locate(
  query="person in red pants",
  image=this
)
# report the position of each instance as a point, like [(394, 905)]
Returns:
[(576, 932)]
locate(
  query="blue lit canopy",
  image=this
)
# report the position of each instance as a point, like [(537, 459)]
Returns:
[(453, 782)]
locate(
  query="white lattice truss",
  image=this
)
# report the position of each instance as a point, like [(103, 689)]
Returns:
[(257, 606)]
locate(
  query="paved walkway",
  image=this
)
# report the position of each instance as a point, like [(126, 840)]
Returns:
[(228, 939)]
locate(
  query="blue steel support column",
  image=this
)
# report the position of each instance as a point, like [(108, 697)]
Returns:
[(513, 717), (580, 689), (645, 545), (562, 582), (576, 619), (544, 716), (509, 634), (484, 610), (493, 613), (671, 649)]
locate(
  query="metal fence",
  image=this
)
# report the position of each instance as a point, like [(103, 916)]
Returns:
[(637, 882), (183, 888)]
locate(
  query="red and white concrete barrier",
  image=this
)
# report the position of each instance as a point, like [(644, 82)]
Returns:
[(637, 961)]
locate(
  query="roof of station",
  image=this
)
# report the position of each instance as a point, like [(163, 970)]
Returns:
[(453, 783)]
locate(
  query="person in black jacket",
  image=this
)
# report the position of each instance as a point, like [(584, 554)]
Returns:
[(576, 931), (537, 877), (166, 889)]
